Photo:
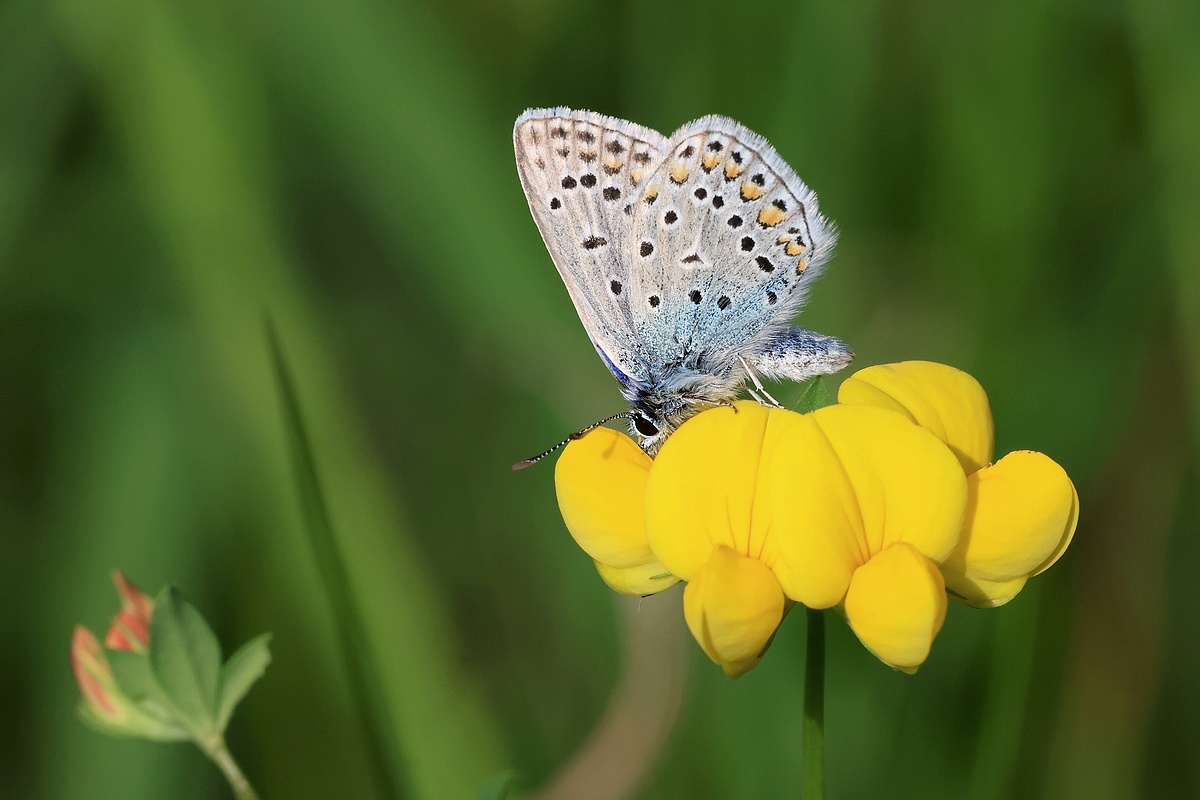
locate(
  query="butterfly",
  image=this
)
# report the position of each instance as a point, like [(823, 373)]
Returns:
[(686, 258)]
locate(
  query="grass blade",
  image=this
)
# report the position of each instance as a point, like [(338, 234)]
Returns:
[(370, 703)]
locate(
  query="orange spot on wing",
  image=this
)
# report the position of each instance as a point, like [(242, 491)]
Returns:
[(794, 248), (800, 265), (680, 172), (770, 215), (752, 192), (732, 170)]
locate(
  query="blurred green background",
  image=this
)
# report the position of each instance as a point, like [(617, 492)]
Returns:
[(1018, 189)]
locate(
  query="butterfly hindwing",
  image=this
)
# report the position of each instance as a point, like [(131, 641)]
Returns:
[(582, 173), (728, 238)]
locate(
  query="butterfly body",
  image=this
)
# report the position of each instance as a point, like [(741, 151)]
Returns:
[(686, 256)]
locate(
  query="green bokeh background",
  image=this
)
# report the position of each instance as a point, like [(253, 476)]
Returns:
[(1018, 189)]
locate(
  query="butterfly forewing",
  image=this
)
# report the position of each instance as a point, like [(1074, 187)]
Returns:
[(727, 238), (583, 174)]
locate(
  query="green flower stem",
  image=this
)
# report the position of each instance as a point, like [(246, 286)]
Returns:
[(219, 753), (814, 707)]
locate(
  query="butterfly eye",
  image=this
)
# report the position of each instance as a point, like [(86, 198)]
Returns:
[(644, 426)]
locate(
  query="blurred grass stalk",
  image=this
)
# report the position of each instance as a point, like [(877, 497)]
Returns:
[(35, 94), (1166, 33), (362, 667), (197, 170)]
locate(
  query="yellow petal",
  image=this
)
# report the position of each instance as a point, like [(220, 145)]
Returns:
[(640, 581), (896, 605), (601, 485), (733, 604), (1021, 515), (704, 488), (981, 593), (945, 401), (848, 481)]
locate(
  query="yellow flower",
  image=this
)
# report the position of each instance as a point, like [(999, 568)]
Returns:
[(601, 482), (709, 521), (762, 504), (1021, 511), (851, 506), (867, 506)]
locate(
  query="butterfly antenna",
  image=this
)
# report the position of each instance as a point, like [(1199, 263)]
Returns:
[(529, 462)]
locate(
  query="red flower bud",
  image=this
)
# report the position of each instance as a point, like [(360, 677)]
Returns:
[(95, 676), (130, 629)]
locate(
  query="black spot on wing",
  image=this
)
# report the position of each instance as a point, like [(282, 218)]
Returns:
[(568, 182), (587, 181), (592, 242), (646, 249), (612, 193), (694, 296)]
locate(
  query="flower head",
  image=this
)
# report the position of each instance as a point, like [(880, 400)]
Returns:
[(877, 506)]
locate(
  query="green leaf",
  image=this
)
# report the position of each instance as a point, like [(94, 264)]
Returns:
[(815, 396), (497, 788), (148, 713), (240, 672), (137, 724), (185, 658), (134, 675)]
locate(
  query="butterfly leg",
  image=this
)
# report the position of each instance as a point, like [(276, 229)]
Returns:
[(705, 401), (770, 401)]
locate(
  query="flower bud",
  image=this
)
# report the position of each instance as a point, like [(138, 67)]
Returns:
[(101, 696), (130, 629)]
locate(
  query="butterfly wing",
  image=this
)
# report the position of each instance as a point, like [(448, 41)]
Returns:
[(727, 242), (581, 172)]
